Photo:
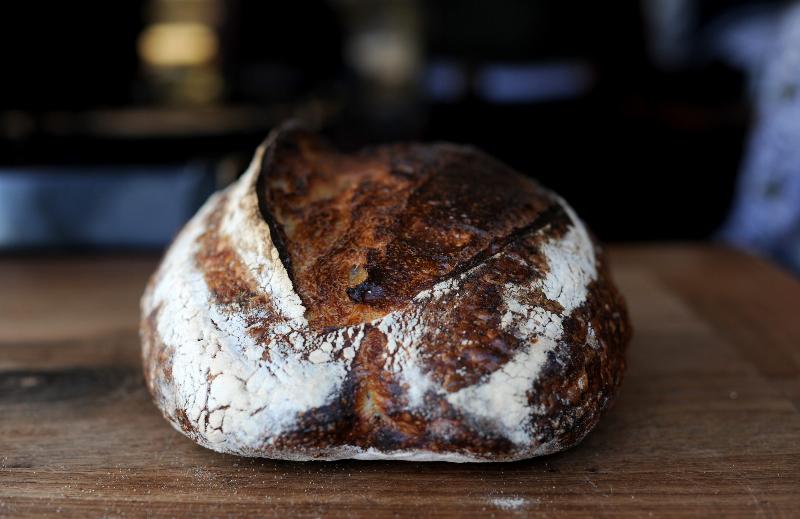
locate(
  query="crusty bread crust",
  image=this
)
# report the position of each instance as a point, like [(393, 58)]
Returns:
[(411, 301)]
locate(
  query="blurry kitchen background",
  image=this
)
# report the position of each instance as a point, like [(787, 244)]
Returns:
[(657, 119)]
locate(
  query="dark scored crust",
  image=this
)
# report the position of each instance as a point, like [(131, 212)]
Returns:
[(363, 235)]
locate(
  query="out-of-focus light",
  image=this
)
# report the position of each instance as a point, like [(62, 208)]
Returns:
[(525, 83), (384, 56), (745, 37), (177, 44), (445, 82), (16, 125)]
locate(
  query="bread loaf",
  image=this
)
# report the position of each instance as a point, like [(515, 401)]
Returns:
[(410, 301)]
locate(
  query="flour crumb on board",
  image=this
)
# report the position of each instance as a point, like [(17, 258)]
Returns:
[(508, 503)]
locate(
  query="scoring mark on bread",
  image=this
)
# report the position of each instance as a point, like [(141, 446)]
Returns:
[(361, 236)]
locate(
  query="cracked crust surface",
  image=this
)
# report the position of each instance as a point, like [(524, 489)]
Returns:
[(419, 302)]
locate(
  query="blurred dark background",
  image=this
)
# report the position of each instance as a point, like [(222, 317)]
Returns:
[(117, 119)]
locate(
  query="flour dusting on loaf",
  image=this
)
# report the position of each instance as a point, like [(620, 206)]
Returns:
[(309, 312)]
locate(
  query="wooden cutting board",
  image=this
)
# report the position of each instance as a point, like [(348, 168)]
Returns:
[(708, 421)]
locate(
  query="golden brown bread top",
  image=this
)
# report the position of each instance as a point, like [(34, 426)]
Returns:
[(360, 235)]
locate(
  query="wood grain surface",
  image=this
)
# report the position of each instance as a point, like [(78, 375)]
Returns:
[(708, 422)]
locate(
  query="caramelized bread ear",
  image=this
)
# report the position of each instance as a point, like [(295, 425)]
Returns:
[(360, 235)]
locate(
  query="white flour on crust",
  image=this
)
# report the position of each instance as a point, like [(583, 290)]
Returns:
[(236, 401)]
